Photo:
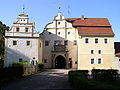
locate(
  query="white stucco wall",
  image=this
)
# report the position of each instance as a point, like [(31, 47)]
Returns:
[(117, 62), (21, 50)]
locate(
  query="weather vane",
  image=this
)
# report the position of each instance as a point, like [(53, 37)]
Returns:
[(59, 8), (23, 9)]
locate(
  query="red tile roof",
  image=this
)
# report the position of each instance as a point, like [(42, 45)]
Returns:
[(95, 31), (118, 54), (92, 26)]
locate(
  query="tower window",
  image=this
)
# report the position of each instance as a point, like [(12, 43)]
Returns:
[(26, 29), (68, 33), (92, 60), (75, 42), (58, 33), (14, 42), (58, 22), (96, 40), (65, 42), (28, 43), (24, 19), (86, 40), (17, 29), (46, 43)]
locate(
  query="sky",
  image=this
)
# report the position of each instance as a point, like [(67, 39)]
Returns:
[(42, 12)]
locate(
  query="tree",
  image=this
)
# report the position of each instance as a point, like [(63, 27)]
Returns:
[(3, 27)]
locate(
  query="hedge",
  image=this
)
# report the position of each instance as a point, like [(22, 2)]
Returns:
[(76, 77), (80, 78), (11, 72), (19, 69), (105, 75), (40, 66)]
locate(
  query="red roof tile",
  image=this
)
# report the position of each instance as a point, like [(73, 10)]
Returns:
[(89, 21), (95, 31), (92, 26)]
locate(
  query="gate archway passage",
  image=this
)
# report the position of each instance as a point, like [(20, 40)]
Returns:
[(60, 62)]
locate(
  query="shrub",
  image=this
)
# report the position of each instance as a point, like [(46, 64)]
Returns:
[(40, 66), (20, 63), (105, 75), (78, 77), (11, 72)]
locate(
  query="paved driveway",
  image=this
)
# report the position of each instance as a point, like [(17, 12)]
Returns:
[(49, 79)]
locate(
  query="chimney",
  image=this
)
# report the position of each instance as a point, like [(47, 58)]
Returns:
[(82, 17)]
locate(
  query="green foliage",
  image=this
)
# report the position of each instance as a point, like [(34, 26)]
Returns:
[(3, 27), (11, 72), (40, 66), (20, 63), (105, 75), (79, 79)]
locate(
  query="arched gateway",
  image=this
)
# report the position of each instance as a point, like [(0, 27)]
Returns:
[(60, 62)]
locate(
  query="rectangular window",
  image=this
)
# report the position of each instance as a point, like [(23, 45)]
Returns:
[(17, 29), (20, 60), (14, 42), (65, 42), (46, 43), (99, 61), (92, 60), (105, 41), (92, 51), (86, 40), (26, 29), (99, 51), (58, 33), (75, 42), (45, 60), (96, 40), (28, 43)]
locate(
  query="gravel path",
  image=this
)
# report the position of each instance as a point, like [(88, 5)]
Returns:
[(49, 79)]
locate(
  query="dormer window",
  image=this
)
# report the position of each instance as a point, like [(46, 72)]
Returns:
[(17, 29), (26, 29)]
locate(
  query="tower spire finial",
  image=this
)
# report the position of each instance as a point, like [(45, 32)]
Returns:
[(23, 9)]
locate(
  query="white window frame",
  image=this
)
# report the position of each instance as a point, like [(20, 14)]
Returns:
[(107, 41), (85, 40), (91, 59), (58, 33), (95, 40), (101, 60), (93, 51), (100, 50)]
